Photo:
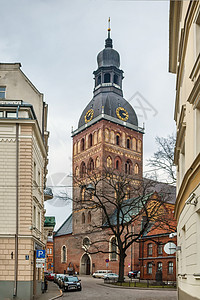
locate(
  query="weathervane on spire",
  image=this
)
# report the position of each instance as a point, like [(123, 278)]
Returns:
[(109, 28)]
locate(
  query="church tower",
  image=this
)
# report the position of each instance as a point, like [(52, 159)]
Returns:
[(107, 134)]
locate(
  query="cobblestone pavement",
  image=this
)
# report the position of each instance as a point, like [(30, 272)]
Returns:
[(94, 289)]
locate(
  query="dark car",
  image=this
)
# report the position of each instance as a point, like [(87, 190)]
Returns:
[(133, 274), (71, 283)]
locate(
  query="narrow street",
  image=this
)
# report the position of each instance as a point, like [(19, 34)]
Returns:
[(94, 289)]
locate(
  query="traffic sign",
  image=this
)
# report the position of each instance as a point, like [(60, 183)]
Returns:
[(40, 260), (40, 253), (107, 260)]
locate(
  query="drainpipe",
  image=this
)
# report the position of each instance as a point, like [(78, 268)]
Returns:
[(17, 210)]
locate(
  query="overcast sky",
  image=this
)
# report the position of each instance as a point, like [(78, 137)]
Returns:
[(57, 43)]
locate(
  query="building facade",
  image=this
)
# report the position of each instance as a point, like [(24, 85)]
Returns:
[(157, 262), (184, 61), (23, 155)]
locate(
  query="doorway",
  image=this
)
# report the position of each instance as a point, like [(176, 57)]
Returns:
[(85, 264)]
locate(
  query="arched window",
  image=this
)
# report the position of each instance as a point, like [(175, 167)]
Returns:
[(128, 193), (90, 140), (77, 172), (99, 136), (95, 138), (107, 77), (112, 137), (113, 248), (86, 242), (128, 143), (136, 169), (134, 144), (89, 217), (75, 148), (109, 162), (91, 165), (107, 135), (82, 193), (116, 79), (83, 169), (63, 254), (97, 163), (99, 80), (82, 144), (150, 249), (83, 218), (117, 164), (139, 146), (117, 139), (128, 167)]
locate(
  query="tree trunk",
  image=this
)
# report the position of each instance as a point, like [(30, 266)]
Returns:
[(121, 267)]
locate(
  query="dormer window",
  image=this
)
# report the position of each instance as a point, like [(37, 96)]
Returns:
[(107, 78)]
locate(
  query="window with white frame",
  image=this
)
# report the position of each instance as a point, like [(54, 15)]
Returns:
[(1, 114), (159, 266), (150, 249), (149, 267), (2, 92), (39, 221), (11, 114), (34, 215), (170, 267)]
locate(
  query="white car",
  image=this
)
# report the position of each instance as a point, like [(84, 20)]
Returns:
[(111, 276), (101, 273)]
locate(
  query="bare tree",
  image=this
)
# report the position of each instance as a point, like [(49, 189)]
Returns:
[(163, 158), (128, 206)]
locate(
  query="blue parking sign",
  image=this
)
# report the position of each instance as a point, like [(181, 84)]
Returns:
[(40, 253)]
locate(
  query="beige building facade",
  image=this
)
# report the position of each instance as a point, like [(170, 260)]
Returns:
[(23, 157), (184, 61)]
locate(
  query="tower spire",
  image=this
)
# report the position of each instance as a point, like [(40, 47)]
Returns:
[(109, 28), (108, 40)]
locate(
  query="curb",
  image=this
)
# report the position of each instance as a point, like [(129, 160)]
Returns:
[(136, 288), (56, 297)]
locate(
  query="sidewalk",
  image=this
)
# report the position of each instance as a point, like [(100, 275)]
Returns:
[(53, 292)]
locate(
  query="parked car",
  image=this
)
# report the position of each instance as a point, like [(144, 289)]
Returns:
[(132, 274), (111, 276), (50, 276), (71, 283), (101, 273)]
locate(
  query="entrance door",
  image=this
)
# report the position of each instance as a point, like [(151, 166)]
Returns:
[(85, 265)]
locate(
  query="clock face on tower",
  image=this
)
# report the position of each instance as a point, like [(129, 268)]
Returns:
[(122, 113), (89, 115)]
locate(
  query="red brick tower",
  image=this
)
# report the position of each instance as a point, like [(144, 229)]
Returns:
[(107, 134)]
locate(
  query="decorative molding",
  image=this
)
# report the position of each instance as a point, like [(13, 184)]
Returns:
[(8, 140)]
